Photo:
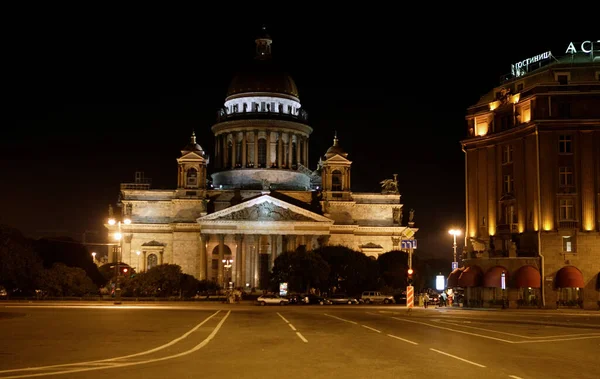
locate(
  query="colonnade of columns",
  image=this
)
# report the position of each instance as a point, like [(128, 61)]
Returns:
[(252, 257), (239, 149)]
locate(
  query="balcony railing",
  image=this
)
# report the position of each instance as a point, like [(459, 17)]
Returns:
[(222, 115), (568, 224)]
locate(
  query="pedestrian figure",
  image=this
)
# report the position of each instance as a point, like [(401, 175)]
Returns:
[(425, 300), (443, 298)]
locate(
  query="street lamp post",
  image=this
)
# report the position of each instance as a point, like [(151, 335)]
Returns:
[(455, 233), (118, 237), (227, 263)]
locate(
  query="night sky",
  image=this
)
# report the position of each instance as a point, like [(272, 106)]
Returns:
[(96, 96)]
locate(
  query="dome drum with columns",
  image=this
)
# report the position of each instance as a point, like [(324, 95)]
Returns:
[(263, 200)]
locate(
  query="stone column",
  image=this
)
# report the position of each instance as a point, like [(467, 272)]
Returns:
[(273, 250), (257, 260), (221, 257), (217, 153), (162, 259), (256, 149), (298, 146), (203, 241), (268, 164), (244, 149), (233, 150), (237, 262), (289, 165), (279, 149), (243, 261), (226, 163), (305, 161)]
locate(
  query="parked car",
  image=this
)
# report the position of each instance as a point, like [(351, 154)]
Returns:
[(370, 297), (342, 298), (315, 299), (272, 299)]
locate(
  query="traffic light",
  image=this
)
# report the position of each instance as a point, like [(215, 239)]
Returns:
[(410, 276)]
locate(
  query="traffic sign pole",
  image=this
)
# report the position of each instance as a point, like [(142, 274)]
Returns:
[(410, 296)]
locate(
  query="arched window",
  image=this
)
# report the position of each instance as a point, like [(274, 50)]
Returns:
[(192, 177), (262, 152), (294, 154), (336, 181), (152, 261)]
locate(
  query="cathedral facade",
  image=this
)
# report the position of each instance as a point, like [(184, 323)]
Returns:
[(262, 199)]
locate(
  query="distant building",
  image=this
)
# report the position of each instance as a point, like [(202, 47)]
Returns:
[(262, 199), (532, 162)]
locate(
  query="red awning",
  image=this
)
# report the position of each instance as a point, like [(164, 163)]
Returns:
[(453, 277), (527, 276), (493, 277), (470, 277), (569, 277)]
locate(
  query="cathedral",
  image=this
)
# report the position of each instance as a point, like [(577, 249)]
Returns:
[(262, 199)]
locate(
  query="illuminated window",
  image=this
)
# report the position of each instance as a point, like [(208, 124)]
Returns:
[(567, 244), (336, 181), (565, 145), (567, 209), (508, 184), (526, 114), (507, 154), (565, 176)]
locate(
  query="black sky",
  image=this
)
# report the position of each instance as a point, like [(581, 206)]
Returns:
[(96, 94)]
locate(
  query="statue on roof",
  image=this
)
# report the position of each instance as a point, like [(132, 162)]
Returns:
[(390, 186)]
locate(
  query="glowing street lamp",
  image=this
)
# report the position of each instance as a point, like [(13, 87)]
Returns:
[(118, 236), (455, 233), (94, 256)]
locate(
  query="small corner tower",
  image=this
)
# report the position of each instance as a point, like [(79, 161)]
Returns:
[(336, 173), (192, 166)]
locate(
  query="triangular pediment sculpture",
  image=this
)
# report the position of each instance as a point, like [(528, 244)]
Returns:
[(265, 208)]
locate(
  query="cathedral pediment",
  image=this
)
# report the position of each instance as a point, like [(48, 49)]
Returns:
[(338, 159), (191, 156), (265, 208)]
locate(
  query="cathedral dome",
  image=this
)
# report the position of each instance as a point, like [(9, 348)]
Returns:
[(262, 74)]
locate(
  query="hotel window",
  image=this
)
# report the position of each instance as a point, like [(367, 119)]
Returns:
[(507, 154), (508, 185), (565, 144), (562, 77), (567, 242), (565, 176), (567, 209), (519, 87)]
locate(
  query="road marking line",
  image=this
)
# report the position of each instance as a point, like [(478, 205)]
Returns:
[(515, 377), (402, 339), (283, 318), (301, 337), (459, 358), (373, 314), (518, 335), (100, 361), (373, 329), (559, 339), (454, 330), (341, 319), (125, 364), (292, 326)]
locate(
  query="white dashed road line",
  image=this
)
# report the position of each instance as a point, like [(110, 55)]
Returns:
[(341, 319), (402, 339), (514, 377), (293, 328), (455, 357), (373, 329)]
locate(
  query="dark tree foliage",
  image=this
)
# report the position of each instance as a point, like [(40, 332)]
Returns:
[(393, 269), (301, 269), (20, 266), (61, 280), (350, 271)]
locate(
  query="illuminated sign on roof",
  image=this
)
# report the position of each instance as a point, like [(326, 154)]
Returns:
[(522, 67), (589, 47)]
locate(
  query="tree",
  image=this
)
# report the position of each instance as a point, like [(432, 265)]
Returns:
[(301, 269), (19, 264), (350, 271), (162, 280), (61, 280), (393, 268)]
